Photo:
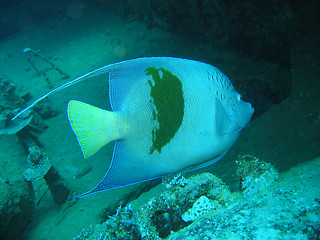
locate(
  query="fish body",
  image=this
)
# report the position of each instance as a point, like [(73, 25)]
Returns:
[(169, 115)]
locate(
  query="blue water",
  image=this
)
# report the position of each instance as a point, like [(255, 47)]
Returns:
[(275, 68)]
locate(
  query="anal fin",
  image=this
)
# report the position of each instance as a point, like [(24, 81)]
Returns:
[(125, 169)]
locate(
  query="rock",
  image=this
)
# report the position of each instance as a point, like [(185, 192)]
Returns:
[(163, 214), (16, 201), (255, 174), (261, 30), (45, 110), (285, 209)]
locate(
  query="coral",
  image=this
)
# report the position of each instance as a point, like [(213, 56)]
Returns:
[(163, 214), (16, 126), (166, 210), (255, 174), (122, 225), (199, 208), (216, 213), (13, 99), (177, 180), (38, 164)]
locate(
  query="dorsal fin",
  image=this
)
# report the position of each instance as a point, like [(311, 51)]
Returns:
[(125, 74), (122, 76)]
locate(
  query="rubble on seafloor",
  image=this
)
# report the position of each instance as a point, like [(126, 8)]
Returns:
[(12, 100), (17, 197), (202, 207), (32, 55), (39, 166), (17, 200)]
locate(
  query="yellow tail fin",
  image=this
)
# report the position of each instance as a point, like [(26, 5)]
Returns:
[(93, 126)]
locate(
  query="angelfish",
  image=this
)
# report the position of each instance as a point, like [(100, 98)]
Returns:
[(169, 115)]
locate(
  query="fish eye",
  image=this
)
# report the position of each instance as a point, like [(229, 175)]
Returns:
[(239, 98)]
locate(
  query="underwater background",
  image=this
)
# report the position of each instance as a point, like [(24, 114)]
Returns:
[(266, 187)]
